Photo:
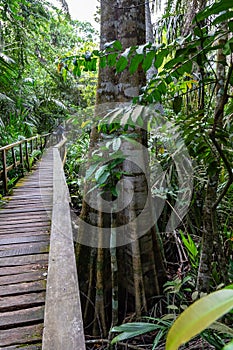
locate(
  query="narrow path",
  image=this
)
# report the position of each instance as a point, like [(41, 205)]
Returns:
[(24, 246)]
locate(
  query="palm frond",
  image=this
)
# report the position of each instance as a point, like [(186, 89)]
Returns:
[(5, 98), (58, 103)]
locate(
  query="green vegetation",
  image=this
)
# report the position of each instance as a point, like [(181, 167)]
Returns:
[(48, 67), (34, 97)]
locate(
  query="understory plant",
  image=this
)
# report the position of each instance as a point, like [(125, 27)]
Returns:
[(198, 319)]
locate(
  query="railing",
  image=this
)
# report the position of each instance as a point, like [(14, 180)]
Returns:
[(63, 325), (19, 157)]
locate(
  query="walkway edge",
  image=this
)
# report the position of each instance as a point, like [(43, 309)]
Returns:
[(63, 326)]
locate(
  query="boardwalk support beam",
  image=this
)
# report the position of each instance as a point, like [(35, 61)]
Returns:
[(63, 326)]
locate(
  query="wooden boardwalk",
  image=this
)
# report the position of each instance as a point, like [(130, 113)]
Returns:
[(25, 223)]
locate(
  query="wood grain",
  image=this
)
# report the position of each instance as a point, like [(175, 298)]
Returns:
[(25, 224)]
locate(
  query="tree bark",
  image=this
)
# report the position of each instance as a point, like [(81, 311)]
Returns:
[(141, 272), (211, 236)]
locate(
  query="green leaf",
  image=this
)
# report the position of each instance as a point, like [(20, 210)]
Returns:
[(103, 61), (156, 95), (77, 71), (91, 170), (216, 8), (111, 59), (221, 328), (228, 346), (141, 48), (223, 17), (103, 178), (133, 329), (160, 57), (117, 45), (116, 144), (121, 64), (113, 45), (173, 62), (147, 62), (198, 317), (162, 88), (228, 48), (230, 25), (100, 171), (185, 68), (116, 162), (177, 104), (135, 61)]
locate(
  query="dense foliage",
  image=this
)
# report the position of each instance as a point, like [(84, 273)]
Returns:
[(34, 96), (48, 65), (193, 81)]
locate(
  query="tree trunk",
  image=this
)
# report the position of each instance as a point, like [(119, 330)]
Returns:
[(138, 267), (211, 236)]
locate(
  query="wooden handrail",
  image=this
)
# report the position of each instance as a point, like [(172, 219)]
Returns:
[(63, 326), (61, 146), (40, 140)]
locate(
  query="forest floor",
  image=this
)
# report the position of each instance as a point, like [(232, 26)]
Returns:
[(139, 344)]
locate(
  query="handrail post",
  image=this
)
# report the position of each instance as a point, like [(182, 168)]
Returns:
[(13, 157), (27, 157), (31, 145), (21, 157), (41, 143), (5, 185)]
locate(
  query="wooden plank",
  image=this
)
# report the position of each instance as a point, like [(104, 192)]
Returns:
[(22, 277), (24, 239), (20, 288), (23, 249), (22, 347), (24, 260), (23, 215), (21, 301), (63, 326), (25, 233), (22, 211), (15, 318), (21, 335), (12, 270), (44, 227), (27, 223)]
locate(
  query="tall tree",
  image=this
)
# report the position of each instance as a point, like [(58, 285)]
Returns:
[(127, 275)]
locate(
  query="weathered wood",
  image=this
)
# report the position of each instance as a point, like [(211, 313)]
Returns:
[(12, 270), (24, 227), (26, 155), (23, 213), (13, 157), (23, 210), (63, 327), (8, 239), (25, 287), (21, 301), (24, 260), (21, 335), (14, 318), (24, 231), (4, 171), (22, 277), (23, 347), (25, 221), (22, 249)]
